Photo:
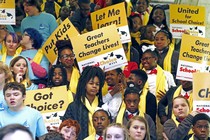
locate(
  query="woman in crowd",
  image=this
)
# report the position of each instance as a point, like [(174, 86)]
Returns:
[(32, 41), (88, 97), (5, 76), (66, 57), (20, 68), (138, 128), (116, 131), (180, 125), (11, 43)]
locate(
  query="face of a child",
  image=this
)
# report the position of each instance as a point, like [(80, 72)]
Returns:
[(201, 129), (92, 87), (69, 133), (137, 130), (114, 133), (180, 108), (149, 34), (132, 102), (141, 6), (10, 44), (161, 41), (158, 16), (57, 77), (148, 61), (14, 99), (20, 67), (137, 23)]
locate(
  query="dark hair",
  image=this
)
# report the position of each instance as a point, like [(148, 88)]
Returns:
[(64, 75), (12, 128), (15, 86), (53, 136), (62, 45), (19, 12), (200, 116), (151, 20), (69, 123), (89, 73), (33, 3), (132, 90), (118, 70), (154, 54), (35, 36), (140, 74), (168, 34), (83, 1), (106, 112)]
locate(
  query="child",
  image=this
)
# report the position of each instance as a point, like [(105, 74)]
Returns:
[(130, 108), (17, 112)]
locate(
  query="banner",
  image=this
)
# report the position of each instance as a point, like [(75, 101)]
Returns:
[(100, 48), (110, 15), (63, 32), (7, 12), (52, 103), (194, 57), (201, 92), (189, 18)]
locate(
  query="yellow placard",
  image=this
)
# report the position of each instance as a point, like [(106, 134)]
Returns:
[(195, 49), (186, 14), (96, 43), (48, 100), (201, 86), (115, 14), (7, 4), (64, 31)]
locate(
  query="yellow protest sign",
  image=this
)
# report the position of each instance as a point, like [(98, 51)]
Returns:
[(99, 48), (7, 12), (201, 92), (63, 32), (189, 18), (52, 103), (110, 15), (194, 56)]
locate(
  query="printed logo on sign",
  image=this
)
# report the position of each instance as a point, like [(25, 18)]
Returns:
[(4, 14)]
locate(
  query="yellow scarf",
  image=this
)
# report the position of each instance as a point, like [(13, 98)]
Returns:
[(4, 48), (137, 36), (38, 56), (74, 80), (160, 82), (120, 115), (128, 8), (91, 109), (142, 103), (145, 18), (177, 93), (128, 54), (167, 60), (25, 82), (4, 55), (70, 96)]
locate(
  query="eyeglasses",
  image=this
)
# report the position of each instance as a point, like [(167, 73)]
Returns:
[(146, 58), (3, 28), (65, 56)]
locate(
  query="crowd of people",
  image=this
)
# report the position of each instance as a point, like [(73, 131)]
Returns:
[(140, 101)]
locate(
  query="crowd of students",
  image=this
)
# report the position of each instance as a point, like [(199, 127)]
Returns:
[(140, 101)]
